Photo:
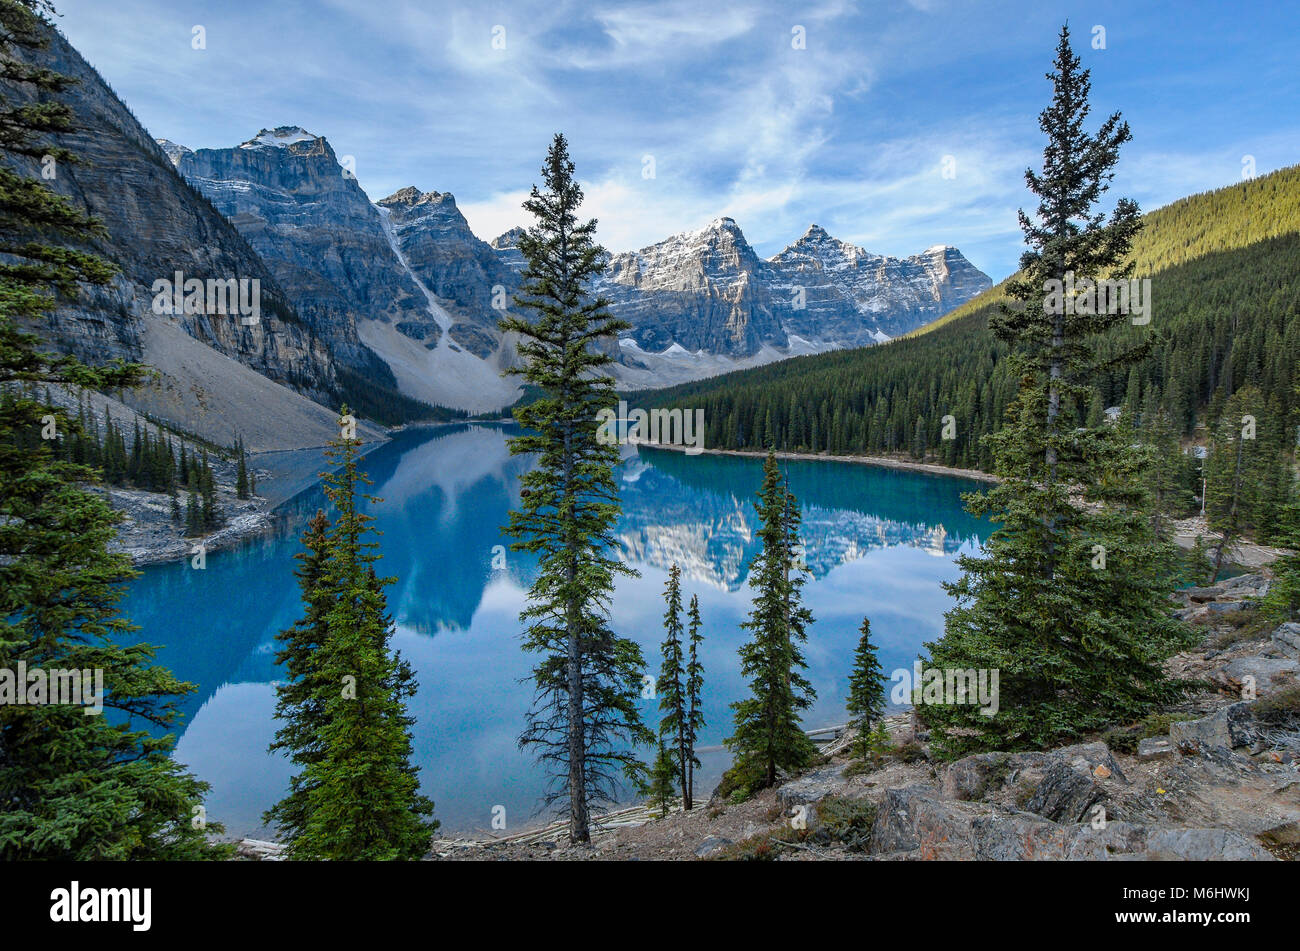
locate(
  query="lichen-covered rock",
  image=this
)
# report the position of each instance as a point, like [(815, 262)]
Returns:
[(711, 846), (1230, 727), (1155, 748), (1203, 845), (1067, 793)]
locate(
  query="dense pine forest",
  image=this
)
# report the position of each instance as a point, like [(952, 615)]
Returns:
[(1225, 286)]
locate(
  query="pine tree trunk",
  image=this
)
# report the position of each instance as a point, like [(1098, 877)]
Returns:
[(579, 820)]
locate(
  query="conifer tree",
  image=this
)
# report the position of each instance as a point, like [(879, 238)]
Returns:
[(301, 696), (694, 703), (671, 690), (866, 702), (73, 786), (768, 736), (663, 776), (241, 475), (193, 516), (360, 796), (1068, 602), (584, 722)]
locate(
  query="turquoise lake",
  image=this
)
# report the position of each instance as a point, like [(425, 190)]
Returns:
[(879, 542)]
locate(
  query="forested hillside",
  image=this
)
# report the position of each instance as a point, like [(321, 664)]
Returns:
[(1225, 288)]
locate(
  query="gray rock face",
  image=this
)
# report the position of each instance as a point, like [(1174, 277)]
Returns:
[(156, 225), (464, 272), (711, 846), (1067, 793), (1229, 728), (811, 787), (973, 777), (1203, 845), (307, 217), (1155, 748), (1287, 639), (708, 290), (915, 819), (854, 297), (1267, 675)]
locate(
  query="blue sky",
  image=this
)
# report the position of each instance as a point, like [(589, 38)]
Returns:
[(850, 132)]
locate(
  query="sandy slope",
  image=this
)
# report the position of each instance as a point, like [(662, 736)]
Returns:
[(202, 391)]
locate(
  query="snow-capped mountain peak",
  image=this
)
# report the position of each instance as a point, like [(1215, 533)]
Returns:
[(280, 137)]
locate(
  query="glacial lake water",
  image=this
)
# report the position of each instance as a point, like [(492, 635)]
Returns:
[(878, 541)]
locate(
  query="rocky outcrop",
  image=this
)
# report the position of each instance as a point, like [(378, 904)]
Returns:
[(705, 290), (472, 281)]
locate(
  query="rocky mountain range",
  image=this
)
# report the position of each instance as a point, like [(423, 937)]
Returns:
[(398, 273), (401, 288), (709, 291), (393, 305)]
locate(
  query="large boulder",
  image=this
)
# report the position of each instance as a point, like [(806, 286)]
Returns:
[(1266, 675), (915, 819), (1067, 793), (1020, 836), (811, 787), (711, 846), (1287, 639), (974, 777), (1203, 845), (1230, 728)]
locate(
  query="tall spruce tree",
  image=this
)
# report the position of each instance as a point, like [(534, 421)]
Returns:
[(584, 722), (768, 737), (670, 687), (360, 793), (866, 701), (73, 786), (694, 701), (301, 697), (1069, 599)]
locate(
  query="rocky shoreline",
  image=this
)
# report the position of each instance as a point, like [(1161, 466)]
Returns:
[(1216, 778)]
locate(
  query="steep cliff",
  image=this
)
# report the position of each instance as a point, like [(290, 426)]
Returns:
[(401, 290), (157, 225)]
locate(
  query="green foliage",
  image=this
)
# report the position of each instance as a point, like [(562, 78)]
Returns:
[(1069, 599), (661, 788), (301, 696), (585, 719), (74, 786), (670, 687), (357, 796), (694, 691), (768, 736), (866, 701)]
